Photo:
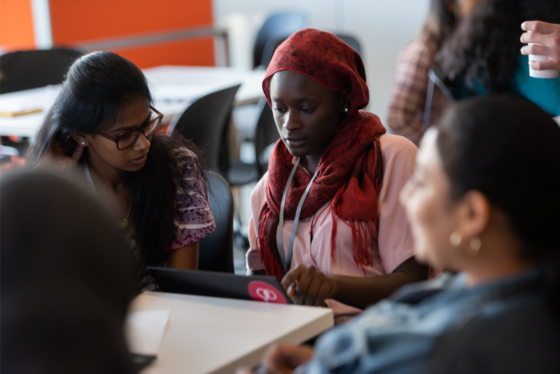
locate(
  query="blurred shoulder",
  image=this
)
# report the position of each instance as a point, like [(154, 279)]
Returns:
[(506, 336), (397, 146), (260, 188)]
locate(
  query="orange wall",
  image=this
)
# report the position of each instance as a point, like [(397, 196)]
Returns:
[(196, 52), (16, 25), (81, 21)]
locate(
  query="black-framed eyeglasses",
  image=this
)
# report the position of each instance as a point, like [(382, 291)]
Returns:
[(128, 139)]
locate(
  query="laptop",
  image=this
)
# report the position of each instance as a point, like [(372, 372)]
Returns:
[(230, 286)]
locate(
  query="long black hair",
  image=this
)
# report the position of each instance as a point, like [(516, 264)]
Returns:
[(485, 46), (92, 96), (507, 148)]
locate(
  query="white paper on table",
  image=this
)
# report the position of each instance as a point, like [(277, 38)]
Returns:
[(144, 330), (557, 119)]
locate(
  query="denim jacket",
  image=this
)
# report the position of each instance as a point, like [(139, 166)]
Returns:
[(443, 326)]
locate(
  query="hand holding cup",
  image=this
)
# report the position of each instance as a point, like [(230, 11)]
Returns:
[(543, 48)]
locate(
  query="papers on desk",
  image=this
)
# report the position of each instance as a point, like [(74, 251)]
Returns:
[(145, 329), (14, 112), (557, 119)]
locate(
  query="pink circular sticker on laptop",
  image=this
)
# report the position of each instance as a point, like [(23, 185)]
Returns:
[(261, 291)]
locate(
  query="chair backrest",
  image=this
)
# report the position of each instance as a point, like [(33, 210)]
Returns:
[(266, 134), (270, 48), (276, 26), (205, 123), (216, 250), (436, 80), (352, 42), (23, 70)]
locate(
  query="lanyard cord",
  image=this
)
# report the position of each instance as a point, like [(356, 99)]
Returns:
[(123, 222), (287, 263), (89, 179)]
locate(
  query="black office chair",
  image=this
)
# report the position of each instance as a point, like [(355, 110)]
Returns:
[(352, 42), (266, 133), (205, 122), (278, 26), (216, 250), (436, 80), (24, 70)]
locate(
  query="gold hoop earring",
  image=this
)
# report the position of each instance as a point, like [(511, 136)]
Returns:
[(455, 239), (475, 245)]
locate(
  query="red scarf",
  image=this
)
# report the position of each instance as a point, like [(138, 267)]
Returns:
[(346, 174)]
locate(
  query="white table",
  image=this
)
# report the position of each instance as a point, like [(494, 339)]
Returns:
[(214, 335), (173, 87)]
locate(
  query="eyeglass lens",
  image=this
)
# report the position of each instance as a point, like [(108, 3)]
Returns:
[(129, 139)]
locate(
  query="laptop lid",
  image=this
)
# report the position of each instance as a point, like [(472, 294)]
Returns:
[(231, 286)]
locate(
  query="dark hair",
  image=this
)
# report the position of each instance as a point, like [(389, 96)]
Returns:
[(485, 46), (91, 98), (507, 148), (67, 279), (439, 24)]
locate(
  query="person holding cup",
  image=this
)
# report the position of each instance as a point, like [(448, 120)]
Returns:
[(482, 56)]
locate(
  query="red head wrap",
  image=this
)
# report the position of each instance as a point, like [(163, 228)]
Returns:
[(352, 183)]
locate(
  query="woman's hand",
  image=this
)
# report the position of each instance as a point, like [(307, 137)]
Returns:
[(547, 34), (282, 359), (308, 286), (55, 156)]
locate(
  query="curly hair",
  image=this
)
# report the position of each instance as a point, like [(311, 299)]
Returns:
[(485, 46)]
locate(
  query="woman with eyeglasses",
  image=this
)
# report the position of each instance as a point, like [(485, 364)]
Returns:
[(103, 123)]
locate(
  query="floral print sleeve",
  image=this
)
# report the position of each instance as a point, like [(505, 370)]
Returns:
[(194, 219)]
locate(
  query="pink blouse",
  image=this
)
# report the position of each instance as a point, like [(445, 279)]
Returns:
[(394, 242)]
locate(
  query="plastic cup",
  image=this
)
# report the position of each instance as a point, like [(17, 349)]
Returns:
[(541, 73)]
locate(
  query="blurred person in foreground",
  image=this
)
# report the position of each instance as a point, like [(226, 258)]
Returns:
[(484, 202), (406, 110), (67, 277)]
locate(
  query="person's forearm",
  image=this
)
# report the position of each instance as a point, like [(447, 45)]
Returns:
[(185, 258), (362, 292)]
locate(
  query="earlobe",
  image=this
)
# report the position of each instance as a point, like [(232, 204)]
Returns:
[(346, 100), (477, 217), (80, 139)]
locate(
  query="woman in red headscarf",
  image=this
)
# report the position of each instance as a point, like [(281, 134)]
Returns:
[(326, 216)]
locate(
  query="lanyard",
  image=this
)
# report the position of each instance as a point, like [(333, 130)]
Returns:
[(287, 263), (89, 179)]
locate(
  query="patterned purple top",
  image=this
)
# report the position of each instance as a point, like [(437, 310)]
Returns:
[(195, 219)]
